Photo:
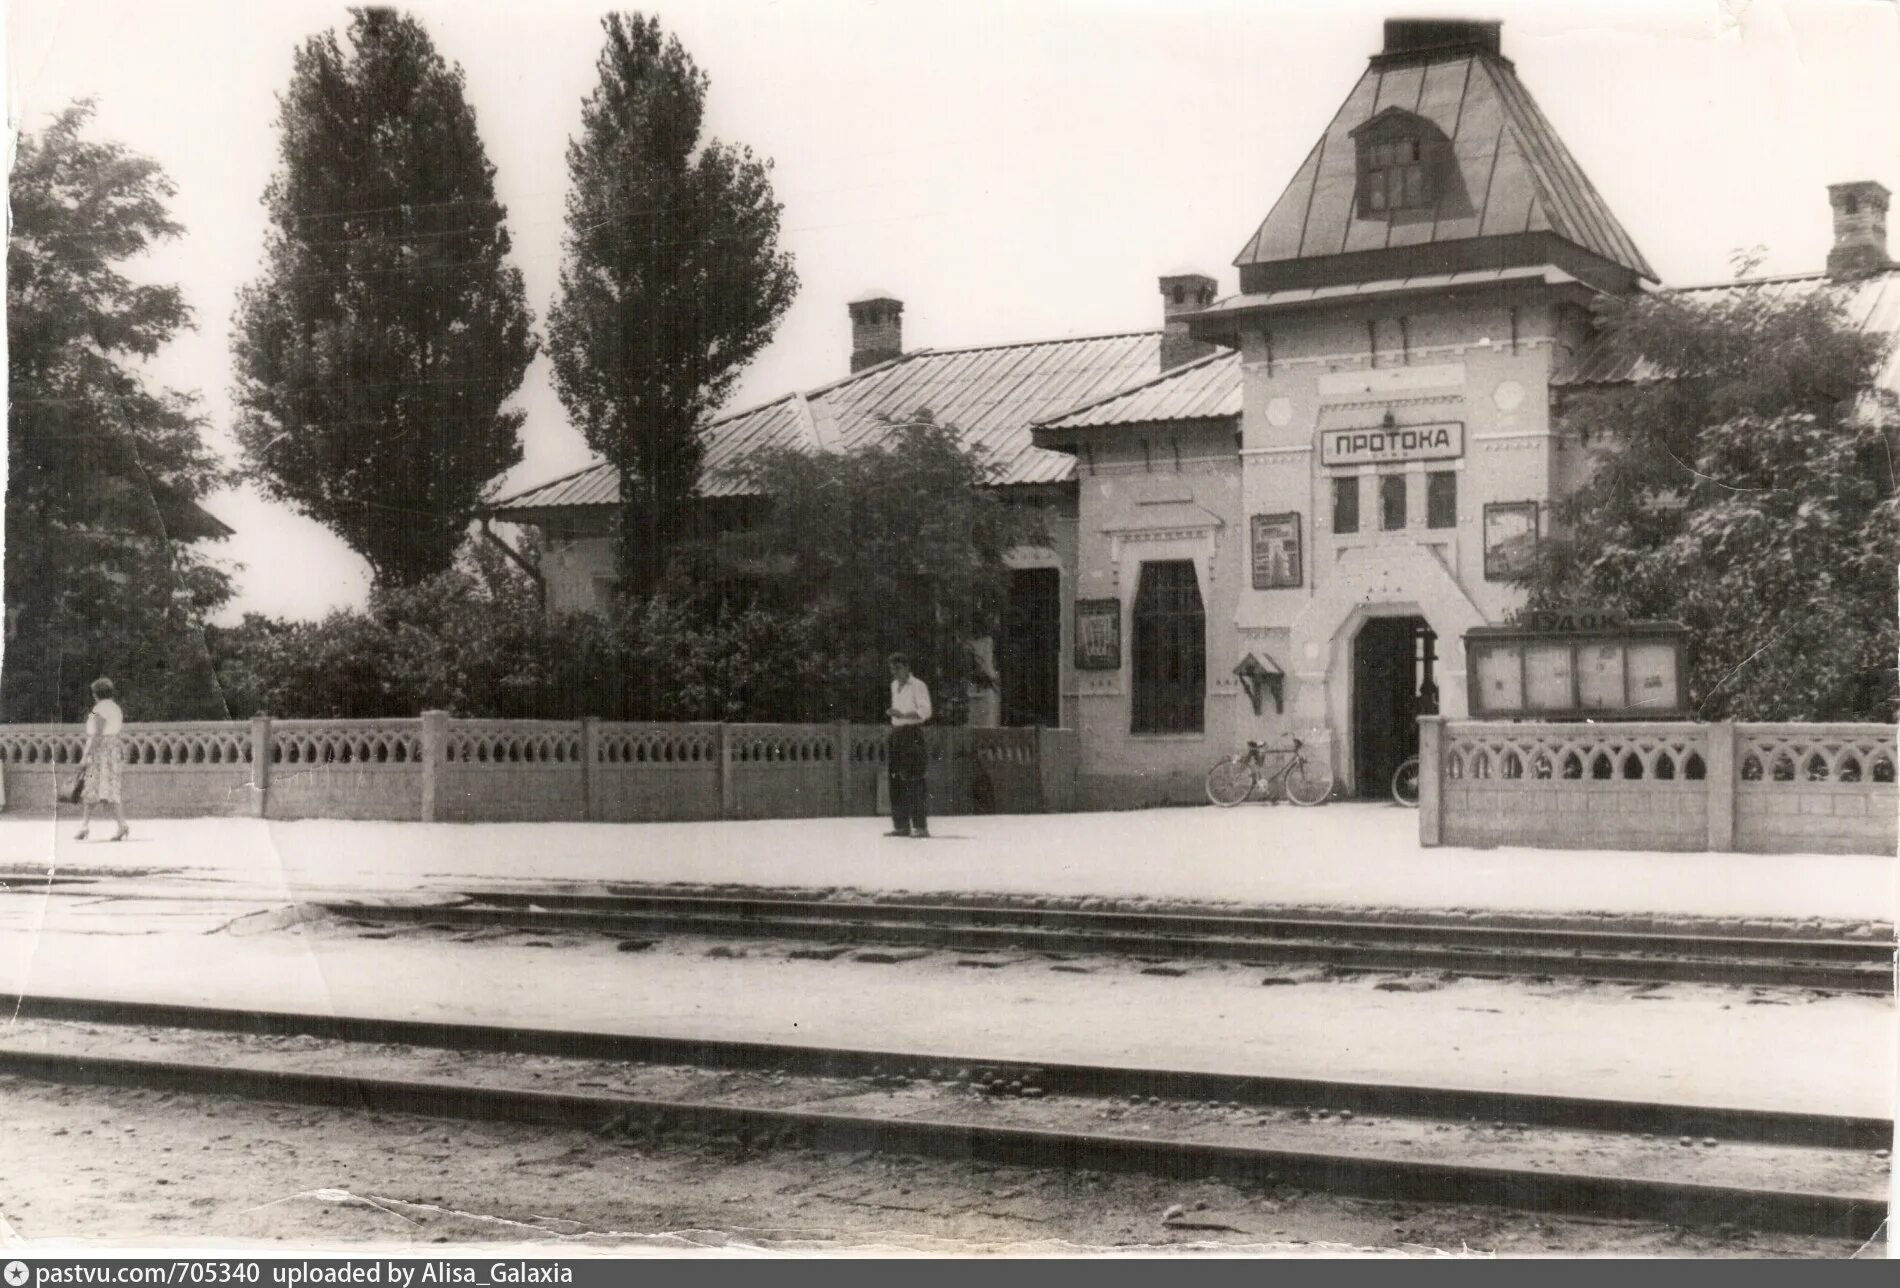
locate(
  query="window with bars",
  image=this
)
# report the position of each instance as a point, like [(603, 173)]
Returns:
[(1170, 650), (1392, 502), (1392, 176), (1346, 505), (1441, 499)]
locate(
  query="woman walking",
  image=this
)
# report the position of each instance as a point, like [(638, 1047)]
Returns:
[(102, 764)]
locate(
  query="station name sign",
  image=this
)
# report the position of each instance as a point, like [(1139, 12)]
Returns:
[(1381, 444)]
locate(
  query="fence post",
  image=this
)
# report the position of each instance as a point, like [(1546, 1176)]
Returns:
[(844, 768), (728, 793), (1056, 769), (1721, 785), (590, 768), (1431, 822), (435, 749), (260, 765)]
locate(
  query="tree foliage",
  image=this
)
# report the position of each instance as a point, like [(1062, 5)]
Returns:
[(1745, 487), (377, 350), (898, 546), (672, 281), (103, 573)]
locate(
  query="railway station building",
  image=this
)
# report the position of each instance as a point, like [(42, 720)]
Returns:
[(1279, 514)]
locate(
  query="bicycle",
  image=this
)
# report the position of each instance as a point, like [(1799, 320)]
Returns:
[(1235, 779), (1405, 783)]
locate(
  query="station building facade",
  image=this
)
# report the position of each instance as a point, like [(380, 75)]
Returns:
[(1279, 515)]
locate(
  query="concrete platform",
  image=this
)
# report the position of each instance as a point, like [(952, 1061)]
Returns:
[(1344, 856)]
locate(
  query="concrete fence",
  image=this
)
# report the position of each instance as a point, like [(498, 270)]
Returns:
[(438, 769), (1764, 788)]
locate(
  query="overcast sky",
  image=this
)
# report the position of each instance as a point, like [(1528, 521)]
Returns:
[(1010, 170)]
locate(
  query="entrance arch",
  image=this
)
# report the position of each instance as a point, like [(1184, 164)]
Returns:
[(1367, 582)]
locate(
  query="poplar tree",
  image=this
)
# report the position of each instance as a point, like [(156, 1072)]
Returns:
[(672, 281), (376, 353), (104, 571)]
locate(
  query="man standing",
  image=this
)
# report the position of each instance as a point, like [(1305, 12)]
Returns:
[(910, 707)]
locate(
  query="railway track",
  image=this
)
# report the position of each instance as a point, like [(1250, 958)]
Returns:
[(949, 1108), (1831, 965)]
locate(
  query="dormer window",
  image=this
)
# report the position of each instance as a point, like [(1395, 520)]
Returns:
[(1393, 176), (1402, 158)]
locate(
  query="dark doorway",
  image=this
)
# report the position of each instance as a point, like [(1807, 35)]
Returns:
[(1029, 655), (1392, 686)]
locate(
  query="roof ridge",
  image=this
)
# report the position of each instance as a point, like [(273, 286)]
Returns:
[(1179, 369), (1766, 280), (1030, 344)]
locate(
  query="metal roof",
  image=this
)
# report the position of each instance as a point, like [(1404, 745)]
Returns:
[(1508, 172), (991, 393), (1206, 389), (1872, 304)]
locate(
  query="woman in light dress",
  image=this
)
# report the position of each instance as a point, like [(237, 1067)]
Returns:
[(102, 764)]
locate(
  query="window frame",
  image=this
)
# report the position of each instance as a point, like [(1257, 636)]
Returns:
[(1168, 683), (1432, 511), (1394, 174), (1394, 486), (1346, 485)]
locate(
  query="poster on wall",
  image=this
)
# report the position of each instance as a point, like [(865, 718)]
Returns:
[(1098, 634), (1276, 551), (1510, 539)]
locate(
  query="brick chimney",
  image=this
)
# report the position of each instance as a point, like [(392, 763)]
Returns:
[(1409, 40), (877, 329), (1860, 230), (1182, 294)]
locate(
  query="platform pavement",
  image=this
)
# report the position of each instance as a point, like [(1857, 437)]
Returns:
[(1346, 856)]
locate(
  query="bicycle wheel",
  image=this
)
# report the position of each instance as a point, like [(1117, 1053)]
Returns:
[(1405, 783), (1308, 783), (1230, 782)]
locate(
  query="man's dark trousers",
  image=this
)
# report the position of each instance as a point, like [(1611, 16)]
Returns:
[(910, 793)]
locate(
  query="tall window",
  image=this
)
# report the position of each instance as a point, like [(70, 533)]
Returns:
[(1170, 650), (1394, 176), (1345, 505), (1441, 499), (1392, 502)]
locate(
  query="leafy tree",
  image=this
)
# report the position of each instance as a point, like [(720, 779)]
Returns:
[(1745, 487), (671, 283), (376, 352), (104, 575), (897, 546)]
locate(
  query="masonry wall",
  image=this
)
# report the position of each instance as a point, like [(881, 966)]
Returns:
[(438, 769), (1763, 788), (1162, 492)]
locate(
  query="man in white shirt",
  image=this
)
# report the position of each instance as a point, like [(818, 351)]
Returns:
[(910, 707)]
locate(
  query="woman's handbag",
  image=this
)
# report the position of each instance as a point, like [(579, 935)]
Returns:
[(78, 789)]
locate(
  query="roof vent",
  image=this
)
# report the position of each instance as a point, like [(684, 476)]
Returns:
[(1421, 39)]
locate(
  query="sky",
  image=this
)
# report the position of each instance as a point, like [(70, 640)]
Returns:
[(1011, 170)]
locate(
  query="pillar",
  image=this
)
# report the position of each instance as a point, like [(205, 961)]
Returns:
[(1721, 784), (844, 768), (728, 789), (1431, 742), (260, 765), (435, 749), (590, 768)]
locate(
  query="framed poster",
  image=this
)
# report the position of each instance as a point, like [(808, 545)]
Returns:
[(1098, 634), (1499, 671), (1629, 672), (1276, 551), (1510, 539)]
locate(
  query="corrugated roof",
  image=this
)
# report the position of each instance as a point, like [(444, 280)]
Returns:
[(992, 393), (1206, 389), (1509, 173), (1872, 304)]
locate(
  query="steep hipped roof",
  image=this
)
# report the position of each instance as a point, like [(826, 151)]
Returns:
[(1206, 389), (1508, 174), (992, 393)]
